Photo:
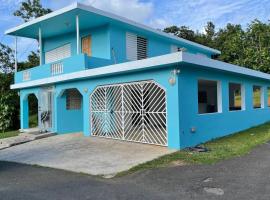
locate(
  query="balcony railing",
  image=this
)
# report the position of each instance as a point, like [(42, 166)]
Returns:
[(68, 65)]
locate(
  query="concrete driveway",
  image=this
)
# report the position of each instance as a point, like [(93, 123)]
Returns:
[(92, 155)]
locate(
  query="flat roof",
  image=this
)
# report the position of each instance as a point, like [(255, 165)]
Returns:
[(26, 29), (150, 63)]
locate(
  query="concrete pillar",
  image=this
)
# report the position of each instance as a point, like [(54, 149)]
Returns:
[(24, 112), (173, 115), (86, 114)]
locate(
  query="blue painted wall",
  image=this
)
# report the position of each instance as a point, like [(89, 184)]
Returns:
[(68, 121), (213, 125), (182, 104)]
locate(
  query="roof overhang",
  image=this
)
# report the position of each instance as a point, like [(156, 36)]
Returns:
[(63, 21), (146, 64)]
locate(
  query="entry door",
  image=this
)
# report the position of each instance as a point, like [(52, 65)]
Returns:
[(86, 45), (45, 109)]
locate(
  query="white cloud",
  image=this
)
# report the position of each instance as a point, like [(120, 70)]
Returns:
[(195, 13), (132, 9)]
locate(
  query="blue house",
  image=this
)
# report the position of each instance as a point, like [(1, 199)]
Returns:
[(107, 76)]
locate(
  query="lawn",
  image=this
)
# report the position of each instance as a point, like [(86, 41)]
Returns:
[(8, 134), (220, 149)]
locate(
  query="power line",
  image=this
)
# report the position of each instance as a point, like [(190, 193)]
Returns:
[(26, 49)]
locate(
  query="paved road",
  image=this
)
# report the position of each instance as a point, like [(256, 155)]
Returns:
[(246, 177)]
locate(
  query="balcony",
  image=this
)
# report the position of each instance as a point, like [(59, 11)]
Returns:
[(72, 64)]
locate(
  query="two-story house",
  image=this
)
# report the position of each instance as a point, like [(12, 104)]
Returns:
[(107, 76)]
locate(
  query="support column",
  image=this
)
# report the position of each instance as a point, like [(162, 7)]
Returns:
[(78, 33), (16, 66), (86, 114), (173, 115), (40, 46), (24, 112)]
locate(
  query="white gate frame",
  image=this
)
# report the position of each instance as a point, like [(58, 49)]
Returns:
[(122, 107)]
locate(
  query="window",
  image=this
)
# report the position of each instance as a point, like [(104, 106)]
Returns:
[(257, 97), (136, 47), (209, 96), (268, 96), (58, 54), (235, 97), (86, 45), (73, 99)]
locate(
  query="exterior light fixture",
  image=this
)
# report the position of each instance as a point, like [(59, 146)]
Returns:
[(18, 93), (85, 90), (174, 73)]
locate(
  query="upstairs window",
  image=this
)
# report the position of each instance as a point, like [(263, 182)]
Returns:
[(58, 53), (257, 97), (235, 97), (209, 96), (136, 47), (73, 99)]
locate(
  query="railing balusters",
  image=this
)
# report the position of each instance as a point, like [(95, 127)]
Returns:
[(57, 68)]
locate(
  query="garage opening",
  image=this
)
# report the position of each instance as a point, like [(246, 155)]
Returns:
[(131, 111)]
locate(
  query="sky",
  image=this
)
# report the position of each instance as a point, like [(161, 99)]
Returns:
[(155, 13)]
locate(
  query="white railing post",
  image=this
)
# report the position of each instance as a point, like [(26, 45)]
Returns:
[(15, 56), (78, 33), (40, 46)]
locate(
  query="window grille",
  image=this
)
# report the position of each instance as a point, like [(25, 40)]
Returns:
[(73, 99), (26, 75)]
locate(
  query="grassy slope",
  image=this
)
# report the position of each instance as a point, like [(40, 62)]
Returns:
[(8, 134), (227, 147)]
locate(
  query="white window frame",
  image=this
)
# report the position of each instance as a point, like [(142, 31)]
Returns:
[(268, 96), (261, 97), (243, 96), (219, 96)]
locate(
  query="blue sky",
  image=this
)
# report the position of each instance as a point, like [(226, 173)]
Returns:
[(156, 13)]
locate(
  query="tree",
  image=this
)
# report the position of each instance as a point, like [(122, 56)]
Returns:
[(9, 100), (182, 31), (6, 59), (31, 9)]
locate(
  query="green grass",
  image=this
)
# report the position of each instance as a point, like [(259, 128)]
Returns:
[(33, 120), (220, 149), (8, 134)]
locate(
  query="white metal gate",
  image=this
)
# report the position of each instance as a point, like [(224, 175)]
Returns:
[(131, 111)]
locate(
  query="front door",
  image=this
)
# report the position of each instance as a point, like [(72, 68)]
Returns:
[(45, 109)]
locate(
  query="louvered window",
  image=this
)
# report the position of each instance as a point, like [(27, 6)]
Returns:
[(58, 54), (73, 99), (136, 47)]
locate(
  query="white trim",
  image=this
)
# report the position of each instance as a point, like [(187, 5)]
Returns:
[(15, 55), (219, 96), (78, 34), (145, 64), (243, 97), (40, 46), (112, 16), (111, 69)]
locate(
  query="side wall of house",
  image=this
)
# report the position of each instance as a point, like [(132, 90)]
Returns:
[(213, 125)]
